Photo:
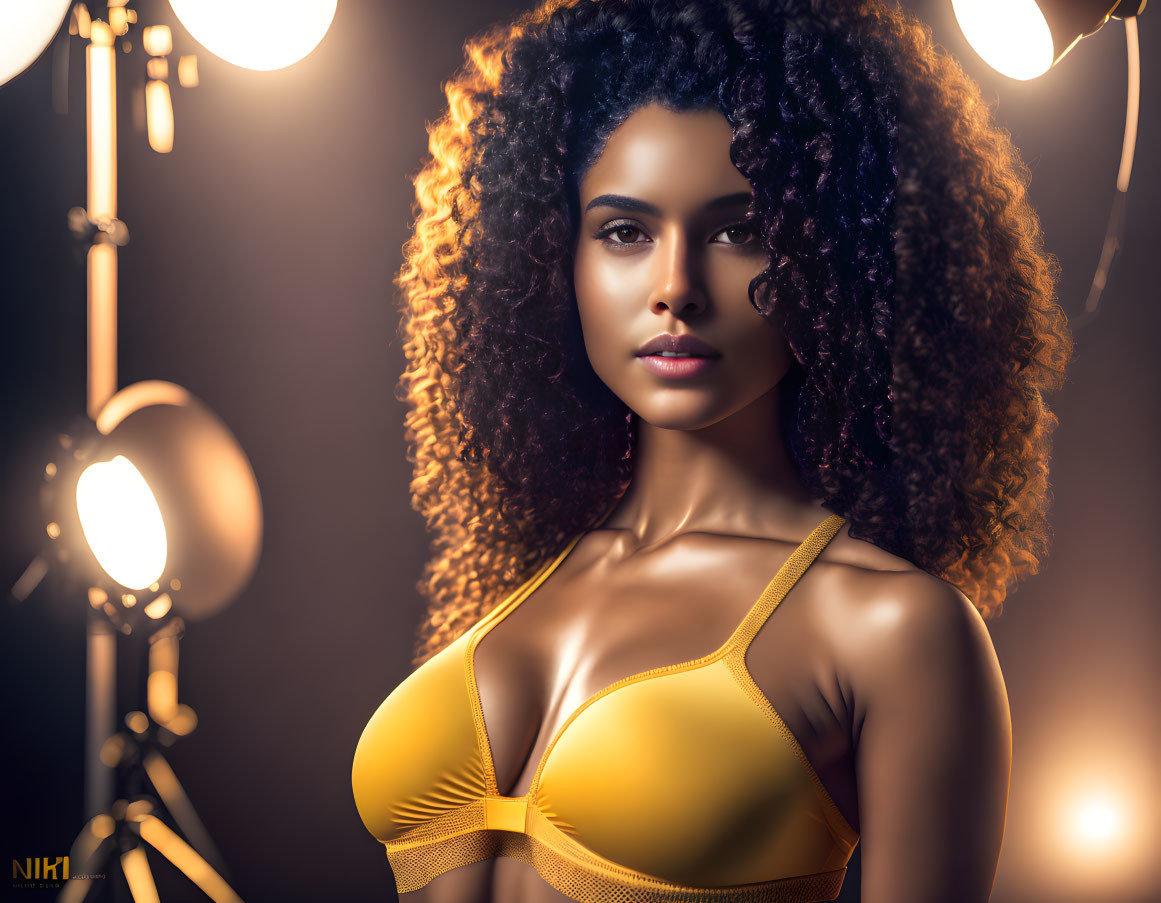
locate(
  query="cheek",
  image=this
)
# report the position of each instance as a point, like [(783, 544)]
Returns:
[(602, 304), (757, 340)]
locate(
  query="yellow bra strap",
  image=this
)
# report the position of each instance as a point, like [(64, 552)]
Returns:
[(795, 566)]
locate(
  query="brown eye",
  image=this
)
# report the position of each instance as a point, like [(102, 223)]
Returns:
[(622, 234), (739, 234)]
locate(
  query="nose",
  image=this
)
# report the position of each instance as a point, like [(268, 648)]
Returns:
[(678, 287)]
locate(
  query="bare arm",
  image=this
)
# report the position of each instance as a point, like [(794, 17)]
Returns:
[(933, 758)]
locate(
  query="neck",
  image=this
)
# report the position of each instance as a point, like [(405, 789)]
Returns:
[(734, 477)]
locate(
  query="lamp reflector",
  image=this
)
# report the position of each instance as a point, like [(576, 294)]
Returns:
[(122, 522), (26, 27), (257, 34), (1012, 36)]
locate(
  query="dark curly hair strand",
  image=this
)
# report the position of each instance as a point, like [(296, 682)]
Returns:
[(906, 270)]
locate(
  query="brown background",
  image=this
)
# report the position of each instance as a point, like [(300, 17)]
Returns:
[(259, 277)]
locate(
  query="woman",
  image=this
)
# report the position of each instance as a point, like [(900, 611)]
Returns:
[(707, 302)]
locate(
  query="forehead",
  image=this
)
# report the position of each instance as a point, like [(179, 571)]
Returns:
[(675, 159)]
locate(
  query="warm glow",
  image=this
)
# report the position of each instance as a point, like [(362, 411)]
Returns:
[(138, 722), (159, 607), (157, 67), (257, 34), (102, 316), (122, 523), (1011, 36), (162, 696), (101, 121), (28, 26), (159, 116), (172, 847), (163, 778), (135, 867), (137, 396), (1133, 106), (1097, 822), (157, 40), (80, 22), (184, 722), (161, 685), (102, 826), (137, 810), (187, 71), (118, 19), (1086, 827)]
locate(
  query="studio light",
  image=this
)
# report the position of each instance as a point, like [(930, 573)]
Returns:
[(121, 522), (1023, 39), (257, 34), (153, 515), (160, 502), (26, 27)]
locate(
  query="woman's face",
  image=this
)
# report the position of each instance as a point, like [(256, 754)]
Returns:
[(664, 249)]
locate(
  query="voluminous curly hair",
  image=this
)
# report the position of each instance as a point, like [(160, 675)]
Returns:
[(906, 269)]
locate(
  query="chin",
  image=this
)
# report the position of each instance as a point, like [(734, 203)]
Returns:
[(686, 413)]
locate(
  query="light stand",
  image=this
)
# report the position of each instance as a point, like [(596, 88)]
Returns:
[(134, 758), (129, 784), (152, 483), (124, 763)]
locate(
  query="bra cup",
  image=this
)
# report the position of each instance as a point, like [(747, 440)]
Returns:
[(683, 777), (679, 783), (412, 764)]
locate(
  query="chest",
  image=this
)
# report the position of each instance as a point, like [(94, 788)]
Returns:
[(596, 623), (606, 713)]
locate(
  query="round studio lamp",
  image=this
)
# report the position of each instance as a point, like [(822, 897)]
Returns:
[(257, 34), (26, 27), (157, 507), (1023, 39)]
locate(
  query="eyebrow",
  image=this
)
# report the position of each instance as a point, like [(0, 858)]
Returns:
[(622, 202)]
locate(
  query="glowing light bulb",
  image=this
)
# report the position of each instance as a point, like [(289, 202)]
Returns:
[(121, 522), (1011, 36), (27, 27), (1097, 822), (257, 34)]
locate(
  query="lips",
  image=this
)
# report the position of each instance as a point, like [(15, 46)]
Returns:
[(677, 367), (687, 344)]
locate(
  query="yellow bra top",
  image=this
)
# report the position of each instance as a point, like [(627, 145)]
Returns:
[(681, 783)]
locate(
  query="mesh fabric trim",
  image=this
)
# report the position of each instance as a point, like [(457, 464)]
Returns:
[(455, 838), (571, 869), (796, 565)]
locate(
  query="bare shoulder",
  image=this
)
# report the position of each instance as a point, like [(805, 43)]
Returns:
[(892, 623), (931, 728)]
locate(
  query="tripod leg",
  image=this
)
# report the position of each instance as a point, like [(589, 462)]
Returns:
[(90, 852), (30, 579), (169, 788), (135, 867), (159, 835)]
